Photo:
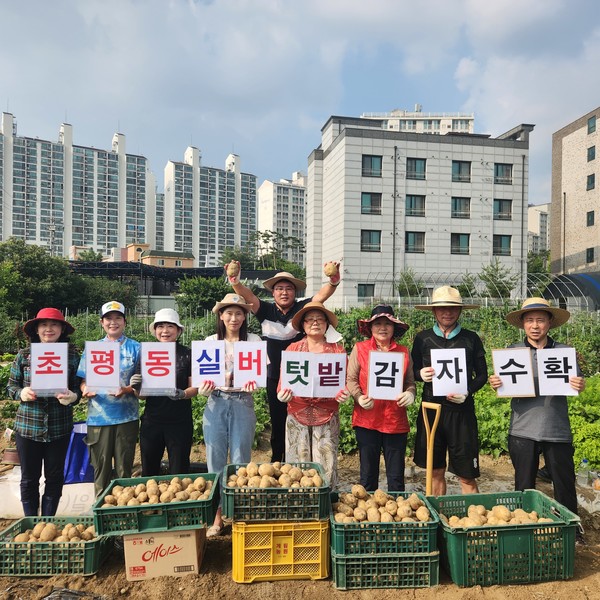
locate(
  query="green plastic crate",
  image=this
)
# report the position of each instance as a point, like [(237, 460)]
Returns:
[(276, 504), (191, 514), (46, 559), (385, 538), (385, 570), (508, 554)]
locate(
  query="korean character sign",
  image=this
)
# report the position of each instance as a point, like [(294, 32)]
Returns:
[(555, 367), (386, 375), (49, 368), (208, 362), (311, 375), (451, 376), (102, 366), (250, 363), (158, 369), (514, 366)]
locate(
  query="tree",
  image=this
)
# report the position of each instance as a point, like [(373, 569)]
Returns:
[(95, 291), (409, 285), (467, 287), (246, 257), (538, 272), (499, 280), (90, 255), (198, 294), (269, 246)]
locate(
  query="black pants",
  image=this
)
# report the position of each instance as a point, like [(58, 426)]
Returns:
[(31, 456), (175, 437), (370, 443), (278, 412), (525, 456)]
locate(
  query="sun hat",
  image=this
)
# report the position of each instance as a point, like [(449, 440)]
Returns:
[(558, 316), (382, 310), (47, 313), (166, 315), (445, 295), (297, 319), (112, 306), (232, 300), (284, 275)]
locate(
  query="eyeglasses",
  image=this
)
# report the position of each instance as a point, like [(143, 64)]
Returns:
[(319, 320), (287, 288)]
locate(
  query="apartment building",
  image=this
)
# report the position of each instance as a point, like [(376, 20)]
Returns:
[(538, 231)]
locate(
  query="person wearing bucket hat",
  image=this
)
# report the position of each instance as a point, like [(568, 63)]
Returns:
[(276, 322), (43, 424), (540, 424), (113, 418), (457, 435), (380, 424), (167, 420), (229, 420), (312, 430)]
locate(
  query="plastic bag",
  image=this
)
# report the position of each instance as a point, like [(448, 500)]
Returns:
[(78, 468)]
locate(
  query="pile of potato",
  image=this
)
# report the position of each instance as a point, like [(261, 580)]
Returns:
[(358, 506), (479, 516), (155, 492), (274, 475), (50, 532)]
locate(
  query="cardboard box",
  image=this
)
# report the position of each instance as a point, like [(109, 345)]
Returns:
[(176, 553)]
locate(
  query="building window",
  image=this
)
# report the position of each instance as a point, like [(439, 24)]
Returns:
[(414, 242), (591, 182), (366, 290), (589, 255), (461, 171), (415, 168), (460, 208), (590, 218), (591, 153), (501, 245), (178, 263), (459, 243), (370, 240), (503, 173), (370, 203), (371, 165), (415, 206), (502, 210), (161, 262), (592, 124)]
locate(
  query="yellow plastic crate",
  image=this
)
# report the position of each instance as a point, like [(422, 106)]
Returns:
[(274, 551)]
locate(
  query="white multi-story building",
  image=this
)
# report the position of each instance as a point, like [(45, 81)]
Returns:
[(206, 209), (389, 201), (538, 233), (281, 208), (574, 229), (58, 194)]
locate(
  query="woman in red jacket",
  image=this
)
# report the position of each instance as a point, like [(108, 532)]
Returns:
[(380, 423)]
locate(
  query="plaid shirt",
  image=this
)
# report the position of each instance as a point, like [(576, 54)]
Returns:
[(44, 419)]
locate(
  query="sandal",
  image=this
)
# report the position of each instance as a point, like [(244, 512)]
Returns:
[(214, 531)]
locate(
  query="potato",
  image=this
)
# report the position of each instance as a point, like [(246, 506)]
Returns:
[(233, 269), (380, 497), (37, 530), (348, 520), (266, 469), (360, 503), (200, 484), (194, 495), (285, 480), (317, 480), (252, 469), (254, 481), (167, 496), (345, 509), (106, 505), (86, 536), (414, 501), (306, 481), (360, 514), (154, 499), (453, 521), (265, 482), (50, 532), (408, 520), (285, 468), (501, 512), (116, 491), (404, 510), (386, 517), (295, 473), (391, 508), (478, 508), (311, 472), (358, 491), (62, 538), (22, 537), (330, 269), (139, 488), (373, 515)]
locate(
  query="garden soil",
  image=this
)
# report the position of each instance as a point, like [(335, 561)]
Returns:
[(214, 580)]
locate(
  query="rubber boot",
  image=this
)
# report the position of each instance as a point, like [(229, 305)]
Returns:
[(30, 508), (49, 505)]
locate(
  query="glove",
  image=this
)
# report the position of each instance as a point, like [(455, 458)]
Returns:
[(67, 398), (206, 388), (285, 395), (233, 270), (250, 386), (456, 398), (136, 380), (331, 270), (406, 399), (366, 402), (27, 395), (178, 395), (427, 374), (342, 396)]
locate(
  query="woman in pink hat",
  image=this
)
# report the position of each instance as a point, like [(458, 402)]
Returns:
[(43, 423)]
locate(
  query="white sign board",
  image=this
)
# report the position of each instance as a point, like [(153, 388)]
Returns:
[(208, 362), (250, 363), (49, 368), (450, 372), (514, 366), (386, 375), (159, 377), (311, 375), (102, 366), (555, 367)]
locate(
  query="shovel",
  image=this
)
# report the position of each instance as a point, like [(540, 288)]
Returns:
[(430, 433)]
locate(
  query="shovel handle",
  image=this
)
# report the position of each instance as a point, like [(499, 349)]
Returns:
[(430, 436)]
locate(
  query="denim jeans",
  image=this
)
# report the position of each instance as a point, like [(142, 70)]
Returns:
[(229, 423)]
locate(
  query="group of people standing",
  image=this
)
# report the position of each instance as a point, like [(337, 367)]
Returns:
[(302, 429)]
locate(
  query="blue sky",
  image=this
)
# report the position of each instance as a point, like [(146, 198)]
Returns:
[(261, 77)]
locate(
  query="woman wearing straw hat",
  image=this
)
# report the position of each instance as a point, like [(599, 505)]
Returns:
[(457, 428), (380, 424), (229, 420), (541, 423), (43, 424), (312, 431)]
